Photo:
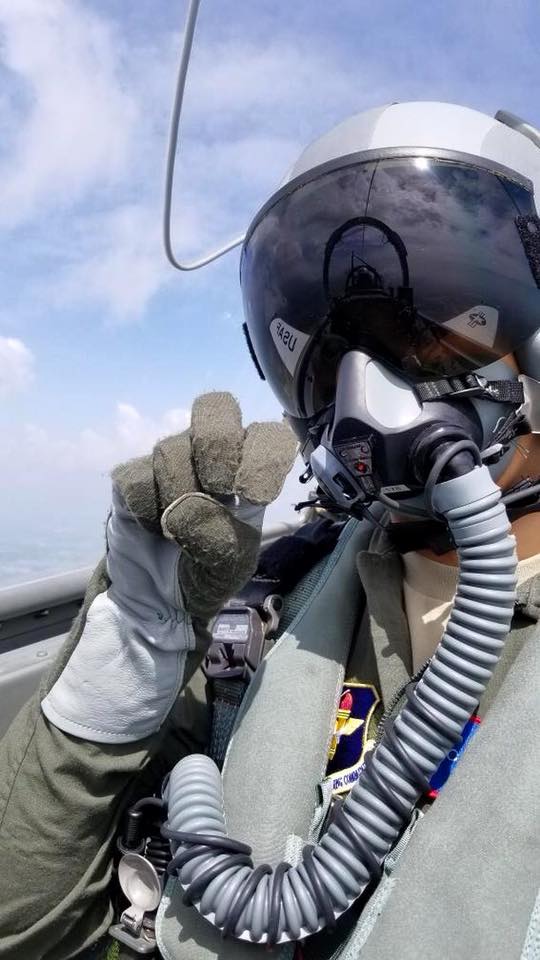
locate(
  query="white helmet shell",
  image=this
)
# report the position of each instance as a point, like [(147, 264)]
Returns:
[(425, 124)]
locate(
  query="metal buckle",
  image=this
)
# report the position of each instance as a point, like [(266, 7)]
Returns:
[(238, 635), (477, 386)]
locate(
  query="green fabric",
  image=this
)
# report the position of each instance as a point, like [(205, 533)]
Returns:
[(301, 595), (528, 609), (467, 885), (381, 573), (227, 697), (355, 926), (61, 800), (382, 655)]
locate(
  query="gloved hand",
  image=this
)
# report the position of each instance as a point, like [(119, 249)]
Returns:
[(183, 536)]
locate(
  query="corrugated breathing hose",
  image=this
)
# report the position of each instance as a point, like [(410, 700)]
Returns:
[(266, 905)]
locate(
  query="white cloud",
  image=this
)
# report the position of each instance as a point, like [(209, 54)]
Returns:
[(16, 365), (271, 82), (84, 116), (57, 486), (122, 265), (94, 449), (74, 124)]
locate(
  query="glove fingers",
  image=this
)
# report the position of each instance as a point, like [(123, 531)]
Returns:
[(269, 453), (217, 436), (173, 468), (219, 553), (136, 484)]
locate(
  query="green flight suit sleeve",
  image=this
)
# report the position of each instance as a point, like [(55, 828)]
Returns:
[(61, 800)]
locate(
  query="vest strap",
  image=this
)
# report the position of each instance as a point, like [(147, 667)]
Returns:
[(244, 630)]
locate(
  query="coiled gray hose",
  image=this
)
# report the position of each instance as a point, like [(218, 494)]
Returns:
[(289, 903)]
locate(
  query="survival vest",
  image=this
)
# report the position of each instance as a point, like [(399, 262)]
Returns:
[(463, 879)]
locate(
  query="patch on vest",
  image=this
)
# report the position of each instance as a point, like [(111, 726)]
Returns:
[(350, 742)]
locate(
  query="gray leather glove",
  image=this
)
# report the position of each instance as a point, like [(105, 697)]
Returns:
[(183, 536)]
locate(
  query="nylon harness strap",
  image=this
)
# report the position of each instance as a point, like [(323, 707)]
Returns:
[(229, 666), (471, 385), (227, 697)]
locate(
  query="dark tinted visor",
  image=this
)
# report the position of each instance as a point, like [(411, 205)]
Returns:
[(430, 265)]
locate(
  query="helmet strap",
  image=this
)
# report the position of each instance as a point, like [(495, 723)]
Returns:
[(471, 385)]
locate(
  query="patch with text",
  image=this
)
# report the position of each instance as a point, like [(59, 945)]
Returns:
[(350, 742)]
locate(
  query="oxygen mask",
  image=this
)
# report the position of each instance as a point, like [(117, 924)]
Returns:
[(381, 442)]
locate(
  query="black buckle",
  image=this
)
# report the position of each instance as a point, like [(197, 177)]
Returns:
[(238, 635)]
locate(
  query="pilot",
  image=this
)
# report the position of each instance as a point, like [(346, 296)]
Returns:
[(392, 300)]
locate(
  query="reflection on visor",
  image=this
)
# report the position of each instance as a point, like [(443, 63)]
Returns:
[(368, 313), (431, 274)]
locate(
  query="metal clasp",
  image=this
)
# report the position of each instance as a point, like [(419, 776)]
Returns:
[(472, 385), (273, 608)]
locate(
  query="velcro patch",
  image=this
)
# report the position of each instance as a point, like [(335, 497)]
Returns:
[(350, 742)]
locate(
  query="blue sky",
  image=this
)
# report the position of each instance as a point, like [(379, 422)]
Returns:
[(102, 345)]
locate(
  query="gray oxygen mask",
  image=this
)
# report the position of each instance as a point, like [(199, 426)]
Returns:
[(382, 440)]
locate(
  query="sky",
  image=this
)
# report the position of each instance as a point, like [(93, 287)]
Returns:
[(103, 346)]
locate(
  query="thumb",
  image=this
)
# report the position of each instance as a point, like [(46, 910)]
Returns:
[(219, 551)]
